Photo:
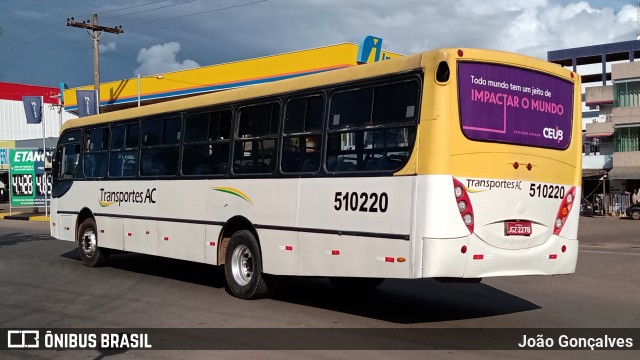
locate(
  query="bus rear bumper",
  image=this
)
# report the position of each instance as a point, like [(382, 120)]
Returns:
[(470, 257)]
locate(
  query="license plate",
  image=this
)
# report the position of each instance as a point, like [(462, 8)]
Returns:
[(522, 228)]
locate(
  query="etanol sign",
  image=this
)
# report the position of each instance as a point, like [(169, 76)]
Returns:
[(28, 181)]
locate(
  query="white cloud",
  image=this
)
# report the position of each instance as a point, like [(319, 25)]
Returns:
[(558, 27), (162, 58), (530, 27), (111, 46)]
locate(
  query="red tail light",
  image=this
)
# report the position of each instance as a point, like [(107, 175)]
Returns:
[(464, 204), (564, 210)]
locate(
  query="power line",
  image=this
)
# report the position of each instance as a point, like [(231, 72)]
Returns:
[(104, 12), (30, 41), (131, 7), (149, 10), (29, 34), (32, 56), (127, 14), (198, 13)]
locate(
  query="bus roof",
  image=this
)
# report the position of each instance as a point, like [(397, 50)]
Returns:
[(333, 77), (380, 68)]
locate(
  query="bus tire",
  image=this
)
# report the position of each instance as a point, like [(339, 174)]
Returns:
[(90, 253), (243, 268)]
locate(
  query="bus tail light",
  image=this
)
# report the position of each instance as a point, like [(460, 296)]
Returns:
[(464, 204), (564, 210)]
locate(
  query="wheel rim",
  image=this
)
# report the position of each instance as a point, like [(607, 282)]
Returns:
[(636, 215), (89, 242), (242, 265)]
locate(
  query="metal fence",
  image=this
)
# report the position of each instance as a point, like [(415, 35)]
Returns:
[(616, 204)]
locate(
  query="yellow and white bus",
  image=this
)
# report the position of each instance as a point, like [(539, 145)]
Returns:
[(453, 163)]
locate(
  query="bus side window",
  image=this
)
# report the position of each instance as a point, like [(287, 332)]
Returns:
[(124, 155), (96, 156), (66, 162), (255, 146), (67, 156), (207, 143), (372, 129), (302, 135), (160, 146)]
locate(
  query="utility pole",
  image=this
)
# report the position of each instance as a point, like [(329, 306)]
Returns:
[(96, 30)]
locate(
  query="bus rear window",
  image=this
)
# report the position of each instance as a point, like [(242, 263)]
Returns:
[(511, 105)]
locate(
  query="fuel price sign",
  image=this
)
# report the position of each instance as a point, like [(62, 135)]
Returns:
[(30, 184), (22, 184)]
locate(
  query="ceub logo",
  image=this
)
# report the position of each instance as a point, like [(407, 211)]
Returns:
[(551, 133)]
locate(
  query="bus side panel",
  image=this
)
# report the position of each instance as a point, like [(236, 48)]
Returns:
[(280, 251), (356, 226), (63, 225), (436, 250), (212, 232), (437, 214), (140, 236), (182, 241), (439, 228), (110, 231), (175, 200), (354, 256), (271, 206), (378, 206), (54, 219), (67, 227), (271, 202)]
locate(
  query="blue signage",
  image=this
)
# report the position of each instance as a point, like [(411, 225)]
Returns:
[(87, 102), (4, 156), (369, 45), (33, 109)]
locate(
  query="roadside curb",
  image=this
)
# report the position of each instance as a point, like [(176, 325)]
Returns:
[(24, 217)]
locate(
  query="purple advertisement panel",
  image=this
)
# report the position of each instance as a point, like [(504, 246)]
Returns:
[(516, 106)]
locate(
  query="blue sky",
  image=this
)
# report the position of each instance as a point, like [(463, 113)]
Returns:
[(37, 48)]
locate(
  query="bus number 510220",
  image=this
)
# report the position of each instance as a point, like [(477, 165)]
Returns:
[(546, 191), (363, 202)]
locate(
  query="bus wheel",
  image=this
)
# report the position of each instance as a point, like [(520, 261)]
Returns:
[(635, 215), (243, 268), (90, 253), (355, 284)]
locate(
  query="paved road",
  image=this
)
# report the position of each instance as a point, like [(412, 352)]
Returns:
[(43, 284)]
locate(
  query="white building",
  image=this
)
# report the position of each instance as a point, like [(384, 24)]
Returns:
[(14, 130)]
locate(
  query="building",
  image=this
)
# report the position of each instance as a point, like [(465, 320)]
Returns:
[(13, 124), (14, 130), (148, 89), (611, 158)]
